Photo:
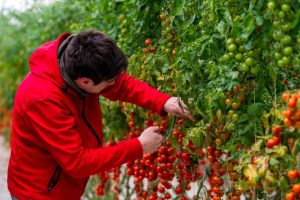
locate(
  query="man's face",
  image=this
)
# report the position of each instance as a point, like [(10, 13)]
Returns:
[(87, 85)]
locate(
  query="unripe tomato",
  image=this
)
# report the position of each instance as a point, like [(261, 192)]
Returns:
[(232, 47), (285, 7), (271, 5), (249, 61), (287, 51), (286, 40), (218, 142), (236, 105), (238, 56), (228, 101), (244, 67), (235, 117), (230, 41), (281, 14)]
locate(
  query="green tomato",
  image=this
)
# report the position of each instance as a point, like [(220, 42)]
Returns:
[(232, 47), (230, 41), (286, 40), (201, 24), (285, 7), (277, 46), (239, 56), (235, 117), (230, 126), (239, 40), (277, 35), (254, 70), (245, 67), (281, 14), (277, 55), (288, 51), (285, 60), (276, 23), (230, 113), (280, 63), (249, 61), (286, 27), (271, 5), (167, 50), (242, 49), (226, 57)]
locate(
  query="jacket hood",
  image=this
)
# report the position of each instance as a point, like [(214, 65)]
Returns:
[(44, 63)]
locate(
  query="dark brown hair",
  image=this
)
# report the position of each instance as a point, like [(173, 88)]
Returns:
[(93, 55)]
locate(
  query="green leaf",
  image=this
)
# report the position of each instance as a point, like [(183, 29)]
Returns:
[(178, 8), (244, 130), (273, 73), (283, 184), (273, 162), (254, 110), (296, 148), (259, 20), (296, 19)]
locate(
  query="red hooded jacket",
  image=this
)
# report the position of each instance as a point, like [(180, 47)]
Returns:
[(57, 136)]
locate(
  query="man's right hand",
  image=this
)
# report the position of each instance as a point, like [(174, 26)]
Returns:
[(150, 139)]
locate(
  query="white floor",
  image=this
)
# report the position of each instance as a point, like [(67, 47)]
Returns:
[(4, 156)]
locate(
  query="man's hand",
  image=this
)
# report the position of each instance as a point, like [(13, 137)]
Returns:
[(150, 139), (176, 106)]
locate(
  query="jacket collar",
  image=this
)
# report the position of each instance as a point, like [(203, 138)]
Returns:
[(61, 60)]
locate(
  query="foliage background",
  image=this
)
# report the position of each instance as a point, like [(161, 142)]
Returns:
[(218, 45)]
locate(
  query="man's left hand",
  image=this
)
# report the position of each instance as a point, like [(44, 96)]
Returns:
[(177, 107)]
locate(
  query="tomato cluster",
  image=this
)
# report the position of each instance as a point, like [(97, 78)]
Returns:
[(292, 113)]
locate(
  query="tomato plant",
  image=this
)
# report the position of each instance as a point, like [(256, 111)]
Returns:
[(234, 62)]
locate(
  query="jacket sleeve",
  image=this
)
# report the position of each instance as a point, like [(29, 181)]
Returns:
[(57, 129), (129, 89)]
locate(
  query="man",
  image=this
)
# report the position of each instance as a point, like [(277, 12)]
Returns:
[(57, 130)]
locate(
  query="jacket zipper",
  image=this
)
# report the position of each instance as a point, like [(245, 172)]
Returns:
[(88, 124), (54, 178), (56, 175)]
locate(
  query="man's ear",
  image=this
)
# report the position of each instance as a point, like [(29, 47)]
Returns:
[(83, 82)]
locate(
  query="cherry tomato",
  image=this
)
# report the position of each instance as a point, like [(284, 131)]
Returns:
[(296, 188), (232, 47), (293, 174), (290, 196), (271, 5), (148, 42)]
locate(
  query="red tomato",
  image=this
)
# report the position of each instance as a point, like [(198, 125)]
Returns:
[(292, 102), (288, 122), (296, 188), (285, 96), (236, 89), (272, 142), (276, 130), (293, 174), (287, 113), (290, 196), (147, 42)]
